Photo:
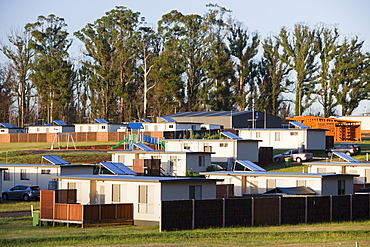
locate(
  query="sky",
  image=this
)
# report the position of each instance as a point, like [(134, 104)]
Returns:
[(267, 17)]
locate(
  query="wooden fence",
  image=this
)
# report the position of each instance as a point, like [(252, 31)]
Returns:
[(255, 211)]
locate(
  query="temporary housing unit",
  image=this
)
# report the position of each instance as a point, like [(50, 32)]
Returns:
[(311, 139), (172, 163), (146, 193), (40, 174), (227, 119), (7, 128), (225, 150), (59, 127), (342, 130), (98, 125), (259, 182), (359, 168)]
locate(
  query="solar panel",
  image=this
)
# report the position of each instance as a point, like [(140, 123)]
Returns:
[(143, 147), (55, 159), (169, 119), (231, 135), (118, 168), (60, 122), (298, 124), (100, 120), (147, 120), (7, 125), (345, 157), (135, 126), (250, 165), (48, 124)]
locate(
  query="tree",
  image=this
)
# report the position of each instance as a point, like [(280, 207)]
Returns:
[(243, 50), (20, 56), (271, 79), (299, 46), (6, 77), (351, 75), (326, 43), (52, 71), (111, 48)]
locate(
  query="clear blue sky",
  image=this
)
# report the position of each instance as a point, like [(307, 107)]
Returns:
[(352, 17)]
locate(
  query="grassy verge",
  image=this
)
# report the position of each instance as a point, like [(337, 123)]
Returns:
[(20, 232), (15, 206)]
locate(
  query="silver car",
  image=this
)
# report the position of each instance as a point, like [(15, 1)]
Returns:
[(22, 192)]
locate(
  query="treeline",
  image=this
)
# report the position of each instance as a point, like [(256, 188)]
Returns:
[(129, 70)]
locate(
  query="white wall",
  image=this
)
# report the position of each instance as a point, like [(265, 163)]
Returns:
[(330, 185), (11, 131), (103, 127), (34, 173)]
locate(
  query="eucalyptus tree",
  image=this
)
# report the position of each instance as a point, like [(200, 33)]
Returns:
[(20, 54), (111, 48), (184, 35), (6, 77), (52, 72), (272, 79), (326, 43), (299, 46), (243, 48), (216, 92), (351, 75)]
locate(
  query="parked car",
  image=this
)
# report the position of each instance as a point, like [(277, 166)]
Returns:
[(294, 155), (347, 148), (22, 192)]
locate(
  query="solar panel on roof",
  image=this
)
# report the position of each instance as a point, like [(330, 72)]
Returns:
[(48, 125), (118, 168), (250, 165), (147, 120), (100, 120), (7, 125), (230, 135), (60, 122), (345, 157), (143, 147), (169, 119), (55, 159), (298, 124)]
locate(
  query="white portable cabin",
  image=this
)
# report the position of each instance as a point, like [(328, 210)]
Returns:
[(146, 193), (260, 182), (174, 163), (225, 150), (7, 128), (312, 139)]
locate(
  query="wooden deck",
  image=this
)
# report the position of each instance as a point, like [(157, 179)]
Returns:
[(70, 213)]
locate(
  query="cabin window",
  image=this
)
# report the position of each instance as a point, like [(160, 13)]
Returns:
[(173, 163), (321, 170), (45, 171), (7, 176), (270, 184), (146, 199), (207, 148), (103, 127), (71, 186), (258, 134), (202, 160), (170, 126), (24, 175), (187, 146), (2, 130), (121, 159), (223, 145), (277, 136), (293, 133), (81, 129), (195, 192), (367, 175), (301, 183), (37, 129), (116, 192), (341, 187)]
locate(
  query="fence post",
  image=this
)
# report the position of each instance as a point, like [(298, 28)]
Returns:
[(223, 212), (193, 218), (280, 210), (331, 208), (252, 206), (351, 207), (306, 210)]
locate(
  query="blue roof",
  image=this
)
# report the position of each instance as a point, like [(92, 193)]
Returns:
[(168, 119), (276, 174), (100, 120), (135, 126), (8, 125), (60, 122), (298, 124), (147, 120)]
